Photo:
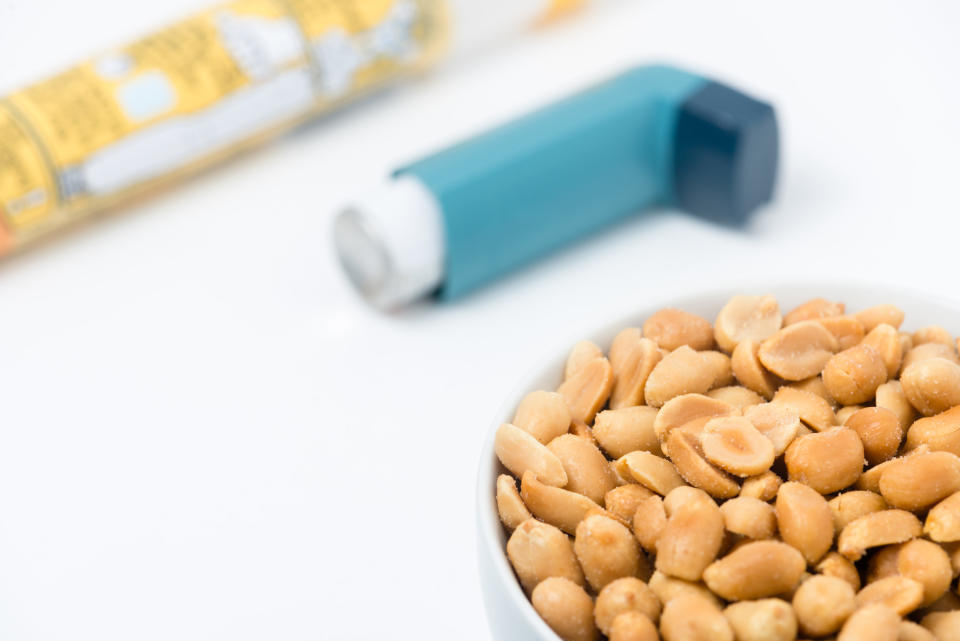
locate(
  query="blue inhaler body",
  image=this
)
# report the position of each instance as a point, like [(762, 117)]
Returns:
[(650, 137)]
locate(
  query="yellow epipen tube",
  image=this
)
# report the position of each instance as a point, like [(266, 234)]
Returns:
[(197, 91)]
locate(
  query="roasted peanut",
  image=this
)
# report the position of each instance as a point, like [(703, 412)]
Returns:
[(744, 318), (813, 309), (720, 364), (606, 551), (932, 385), (649, 521), (885, 339), (689, 411), (946, 603), (738, 396), (691, 617), (919, 481), (519, 452), (910, 631), (763, 620), (906, 344), (804, 520), (735, 445), (581, 354), (815, 385), (582, 430), (691, 539), (539, 550), (626, 594), (879, 431), (822, 604), (853, 375), (778, 423), (876, 622), (883, 563), (566, 607), (588, 389), (798, 351), (587, 470), (620, 347), (836, 565), (847, 507), (510, 506), (926, 351), (763, 486), (943, 520), (667, 588), (875, 529), (749, 517), (626, 430), (544, 415), (755, 570), (632, 361), (682, 371), (878, 315), (561, 508), (685, 452), (649, 470), (899, 593), (928, 564), (940, 432), (890, 396), (846, 412), (750, 372), (953, 551), (812, 409), (945, 626), (847, 330), (932, 334), (623, 501), (671, 328), (633, 626), (827, 461), (870, 479)]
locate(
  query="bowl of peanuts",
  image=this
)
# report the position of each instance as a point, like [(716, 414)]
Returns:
[(734, 467)]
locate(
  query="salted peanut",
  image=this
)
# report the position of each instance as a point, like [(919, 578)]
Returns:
[(836, 565), (899, 593), (587, 469), (626, 594), (853, 375), (885, 339), (932, 385), (685, 451), (755, 570), (623, 501), (846, 329), (544, 415), (510, 506), (691, 617), (878, 315), (762, 620), (943, 520), (847, 507), (876, 529), (763, 486), (720, 364), (798, 351), (733, 444), (692, 538), (581, 354), (826, 461), (667, 588), (932, 334), (519, 452), (582, 430), (879, 431), (883, 563), (749, 517), (588, 389), (633, 626), (928, 564), (736, 395), (649, 521), (890, 396), (918, 482), (953, 551), (561, 508), (649, 470), (812, 409), (940, 432), (566, 607), (928, 350), (746, 318), (815, 386), (846, 412), (626, 430), (910, 631), (945, 626), (678, 497), (539, 550), (671, 328), (682, 371), (778, 423), (804, 520), (632, 361), (822, 604), (689, 411), (606, 551), (813, 309), (620, 347), (750, 372), (875, 622)]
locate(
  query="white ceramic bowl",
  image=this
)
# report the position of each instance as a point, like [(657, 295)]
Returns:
[(510, 614)]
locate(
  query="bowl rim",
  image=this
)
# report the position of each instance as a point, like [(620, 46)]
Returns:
[(490, 530)]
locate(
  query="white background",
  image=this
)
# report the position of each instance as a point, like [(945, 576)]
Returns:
[(205, 435)]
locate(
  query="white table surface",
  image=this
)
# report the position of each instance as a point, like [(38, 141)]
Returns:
[(205, 435)]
